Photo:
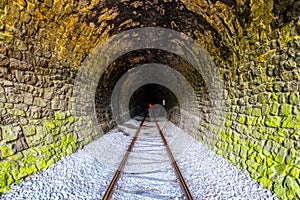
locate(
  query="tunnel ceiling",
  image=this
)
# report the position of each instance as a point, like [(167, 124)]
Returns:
[(73, 28)]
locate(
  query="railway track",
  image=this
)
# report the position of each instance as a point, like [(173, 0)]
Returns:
[(148, 160)]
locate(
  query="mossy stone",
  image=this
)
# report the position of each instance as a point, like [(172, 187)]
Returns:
[(42, 164), (71, 119), (274, 109), (265, 110), (265, 182), (288, 122), (59, 116), (251, 121), (281, 169), (6, 150), (293, 98), (17, 112), (8, 133), (295, 172), (280, 191), (242, 119), (29, 130), (292, 185), (49, 125), (243, 151), (256, 112), (273, 121), (5, 37), (285, 110)]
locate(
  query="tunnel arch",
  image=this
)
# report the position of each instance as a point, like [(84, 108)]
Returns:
[(130, 60), (157, 38), (254, 44)]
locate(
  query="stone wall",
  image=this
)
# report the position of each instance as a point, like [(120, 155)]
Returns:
[(255, 45), (42, 43), (261, 129)]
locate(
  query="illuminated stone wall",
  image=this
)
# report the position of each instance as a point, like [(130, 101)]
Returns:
[(255, 45)]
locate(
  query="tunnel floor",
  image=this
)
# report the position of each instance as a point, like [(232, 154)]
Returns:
[(87, 173)]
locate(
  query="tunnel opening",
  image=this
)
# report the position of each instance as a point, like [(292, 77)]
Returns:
[(130, 61), (151, 94)]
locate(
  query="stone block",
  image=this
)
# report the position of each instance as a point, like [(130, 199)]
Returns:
[(9, 133), (285, 110), (291, 122), (49, 125), (29, 130), (256, 112), (273, 121), (6, 150), (28, 98), (39, 102), (265, 182), (293, 186), (274, 109), (2, 97)]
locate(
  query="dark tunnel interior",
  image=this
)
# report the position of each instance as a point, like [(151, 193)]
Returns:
[(151, 94)]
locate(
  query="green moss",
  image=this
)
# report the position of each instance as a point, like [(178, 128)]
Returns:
[(256, 112), (281, 169), (219, 152), (5, 37), (251, 121), (265, 110), (248, 110), (263, 98), (6, 150), (8, 134), (243, 151), (291, 122), (274, 109), (280, 156), (293, 99), (49, 125), (265, 182), (28, 130), (71, 119), (59, 116), (295, 172), (297, 122), (242, 119), (273, 121), (17, 112), (29, 153), (228, 123), (285, 110), (292, 185), (21, 173), (280, 191), (42, 164), (30, 160)]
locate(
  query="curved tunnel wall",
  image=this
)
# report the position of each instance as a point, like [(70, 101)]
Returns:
[(255, 46)]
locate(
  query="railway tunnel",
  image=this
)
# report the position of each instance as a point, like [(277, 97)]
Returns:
[(228, 71)]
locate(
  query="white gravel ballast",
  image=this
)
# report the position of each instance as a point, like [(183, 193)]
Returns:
[(87, 173)]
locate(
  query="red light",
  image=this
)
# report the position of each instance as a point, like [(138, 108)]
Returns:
[(149, 105)]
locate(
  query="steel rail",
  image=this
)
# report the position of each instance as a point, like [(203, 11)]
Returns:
[(109, 191), (182, 182)]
